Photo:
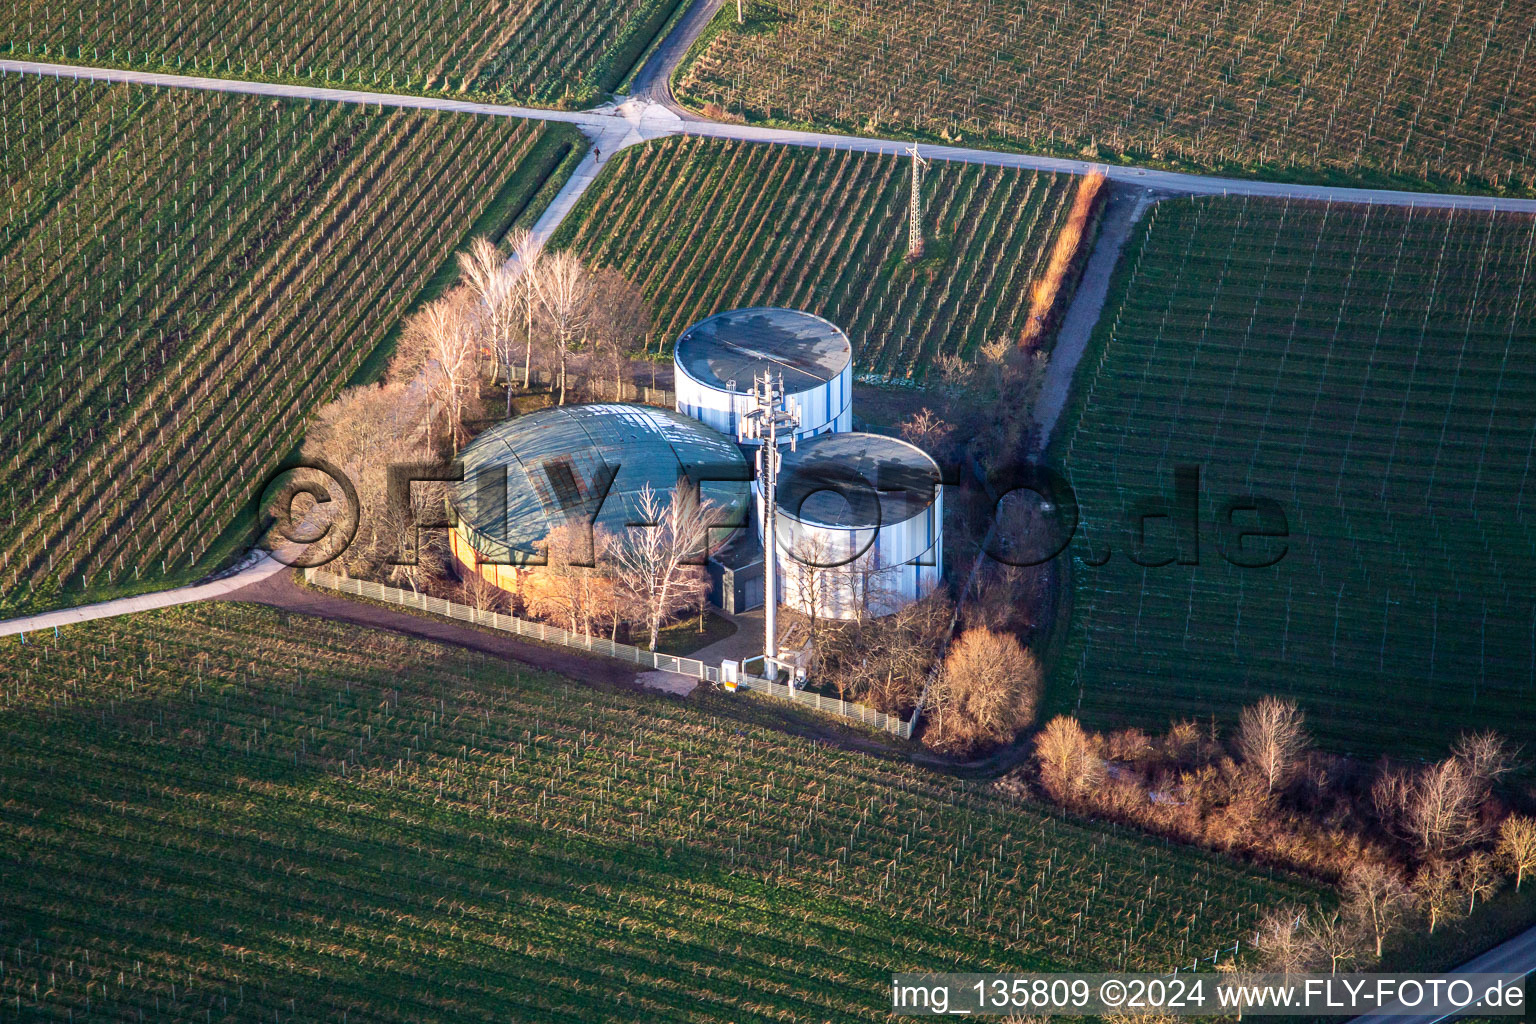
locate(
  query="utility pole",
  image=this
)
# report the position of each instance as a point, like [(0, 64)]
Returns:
[(768, 422), (739, 19), (915, 212)]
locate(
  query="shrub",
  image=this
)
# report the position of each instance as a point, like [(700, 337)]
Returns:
[(985, 693)]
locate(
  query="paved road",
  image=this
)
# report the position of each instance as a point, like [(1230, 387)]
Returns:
[(640, 118), (1517, 956), (261, 568)]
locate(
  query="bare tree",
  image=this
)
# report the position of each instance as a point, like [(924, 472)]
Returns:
[(480, 593), (904, 649), (440, 344), (1517, 845), (656, 563), (1270, 737), (1478, 876), (528, 255), (1375, 896), (1332, 939), (884, 660), (576, 585), (563, 288), (1438, 807), (363, 432), (808, 581), (1238, 981), (927, 430), (1281, 941), (1439, 897), (619, 320), (1070, 767), (1148, 1016), (485, 272), (986, 691), (425, 554), (1487, 755)]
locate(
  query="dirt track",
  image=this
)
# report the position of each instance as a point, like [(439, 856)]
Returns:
[(280, 591)]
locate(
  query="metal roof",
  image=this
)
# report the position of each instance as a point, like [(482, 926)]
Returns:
[(556, 460), (856, 481), (740, 343)]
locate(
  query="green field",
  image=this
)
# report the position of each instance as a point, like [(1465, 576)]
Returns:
[(184, 276), (549, 52), (1368, 368), (704, 226), (1345, 90), (228, 813)]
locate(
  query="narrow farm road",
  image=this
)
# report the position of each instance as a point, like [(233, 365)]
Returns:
[(565, 200), (638, 119), (1121, 212), (262, 567), (654, 82)]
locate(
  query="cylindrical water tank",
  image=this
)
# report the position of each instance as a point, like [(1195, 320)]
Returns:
[(859, 525), (718, 358)]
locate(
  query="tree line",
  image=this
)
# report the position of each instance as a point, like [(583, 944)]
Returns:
[(1408, 845)]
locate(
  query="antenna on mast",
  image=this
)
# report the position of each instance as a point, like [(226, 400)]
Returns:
[(915, 212), (768, 422)]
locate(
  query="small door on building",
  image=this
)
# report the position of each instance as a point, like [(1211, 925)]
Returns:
[(751, 594)]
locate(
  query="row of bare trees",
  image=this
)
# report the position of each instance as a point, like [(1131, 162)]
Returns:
[(882, 660), (1408, 844), (981, 694), (362, 433), (515, 313), (1379, 900)]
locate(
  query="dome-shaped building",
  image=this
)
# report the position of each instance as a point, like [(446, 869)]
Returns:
[(717, 359), (557, 463), (859, 525)]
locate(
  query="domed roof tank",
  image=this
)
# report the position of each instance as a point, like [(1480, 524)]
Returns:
[(556, 462)]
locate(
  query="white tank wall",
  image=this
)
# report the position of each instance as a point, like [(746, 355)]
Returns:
[(882, 579), (825, 408)]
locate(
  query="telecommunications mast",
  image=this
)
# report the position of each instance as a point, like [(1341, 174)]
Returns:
[(915, 213), (768, 422)]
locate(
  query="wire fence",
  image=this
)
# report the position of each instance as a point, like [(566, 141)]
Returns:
[(545, 633)]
